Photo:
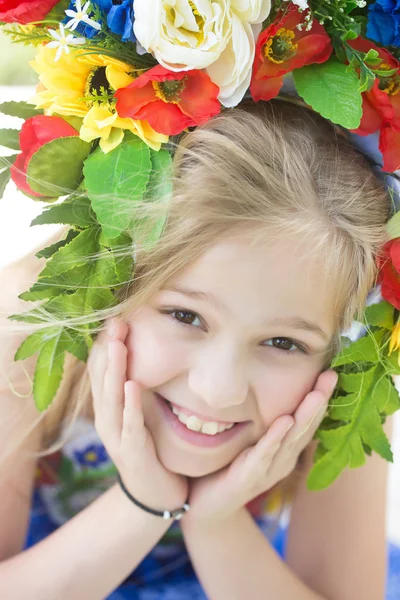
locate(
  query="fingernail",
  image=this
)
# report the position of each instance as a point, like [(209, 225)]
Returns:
[(333, 383), (289, 426), (112, 327)]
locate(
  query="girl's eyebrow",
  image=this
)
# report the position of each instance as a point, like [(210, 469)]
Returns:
[(295, 322)]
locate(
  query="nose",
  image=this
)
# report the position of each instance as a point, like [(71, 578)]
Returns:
[(218, 376)]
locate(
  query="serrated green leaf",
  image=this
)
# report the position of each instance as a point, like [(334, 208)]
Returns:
[(342, 408), (365, 349), (34, 342), (22, 110), (393, 226), (53, 248), (357, 455), (146, 231), (82, 249), (388, 396), (76, 211), (49, 371), (318, 85), (9, 138), (380, 315), (327, 469), (346, 443), (356, 382), (116, 180), (372, 433), (122, 253), (55, 169)]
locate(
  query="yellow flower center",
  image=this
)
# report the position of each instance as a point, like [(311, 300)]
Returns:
[(91, 456), (169, 91), (390, 86), (280, 47), (199, 35)]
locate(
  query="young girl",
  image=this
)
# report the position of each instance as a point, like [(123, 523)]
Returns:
[(205, 388)]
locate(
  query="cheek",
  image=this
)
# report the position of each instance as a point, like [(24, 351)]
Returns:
[(282, 391), (153, 357)]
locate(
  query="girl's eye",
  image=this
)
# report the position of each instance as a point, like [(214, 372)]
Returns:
[(186, 317), (285, 344)]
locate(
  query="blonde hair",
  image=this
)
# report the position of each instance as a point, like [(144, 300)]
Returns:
[(272, 167)]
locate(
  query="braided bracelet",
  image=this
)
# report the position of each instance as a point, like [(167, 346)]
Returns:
[(165, 514)]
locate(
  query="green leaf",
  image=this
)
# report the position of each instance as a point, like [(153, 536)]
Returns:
[(23, 110), (4, 179), (148, 231), (52, 249), (380, 315), (349, 35), (331, 90), (346, 443), (365, 349), (116, 180), (9, 138), (75, 211), (393, 226), (81, 250), (388, 396), (373, 434), (49, 370), (329, 467), (55, 169), (121, 251)]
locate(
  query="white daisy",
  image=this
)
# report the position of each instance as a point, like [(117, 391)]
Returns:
[(80, 16), (61, 42)]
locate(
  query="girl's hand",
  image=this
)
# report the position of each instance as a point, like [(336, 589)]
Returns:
[(258, 468), (120, 424)]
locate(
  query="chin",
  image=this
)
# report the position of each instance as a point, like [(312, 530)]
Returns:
[(189, 466)]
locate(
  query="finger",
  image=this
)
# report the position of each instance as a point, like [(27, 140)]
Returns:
[(313, 408), (113, 397), (326, 382), (133, 436), (269, 444), (98, 359), (308, 418)]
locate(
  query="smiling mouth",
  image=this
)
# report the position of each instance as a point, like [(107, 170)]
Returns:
[(198, 424)]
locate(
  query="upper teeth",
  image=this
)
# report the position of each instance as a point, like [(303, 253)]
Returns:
[(196, 424)]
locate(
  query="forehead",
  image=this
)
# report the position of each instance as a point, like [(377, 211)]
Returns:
[(269, 278)]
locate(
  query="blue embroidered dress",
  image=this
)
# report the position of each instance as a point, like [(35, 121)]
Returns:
[(70, 479)]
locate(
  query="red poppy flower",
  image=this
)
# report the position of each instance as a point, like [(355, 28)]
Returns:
[(35, 133), (15, 11), (382, 103), (170, 102), (281, 48), (381, 106), (389, 275)]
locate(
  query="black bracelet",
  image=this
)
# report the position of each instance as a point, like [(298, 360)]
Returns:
[(165, 514)]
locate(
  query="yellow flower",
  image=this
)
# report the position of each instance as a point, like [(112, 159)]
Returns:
[(67, 87), (394, 343), (101, 123)]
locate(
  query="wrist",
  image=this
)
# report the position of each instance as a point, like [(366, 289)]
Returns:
[(175, 513), (191, 523)]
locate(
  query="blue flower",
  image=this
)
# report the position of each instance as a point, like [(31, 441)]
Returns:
[(119, 18), (384, 22), (92, 455)]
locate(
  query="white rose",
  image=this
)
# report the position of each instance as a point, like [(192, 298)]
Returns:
[(183, 34), (232, 71), (252, 11)]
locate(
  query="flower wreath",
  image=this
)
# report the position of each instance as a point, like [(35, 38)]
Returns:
[(140, 71)]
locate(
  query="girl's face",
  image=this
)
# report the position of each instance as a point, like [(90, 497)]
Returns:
[(240, 335)]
